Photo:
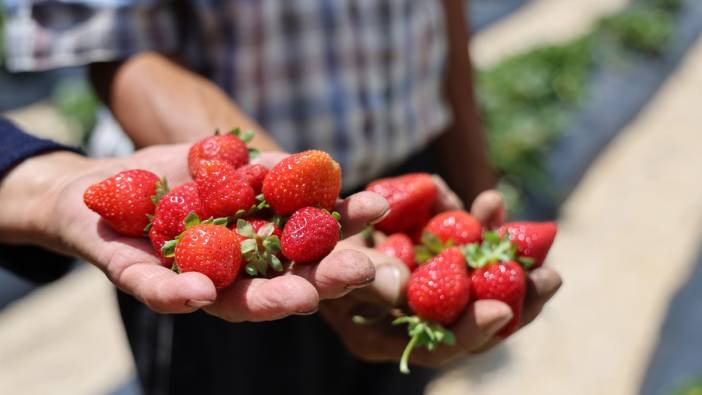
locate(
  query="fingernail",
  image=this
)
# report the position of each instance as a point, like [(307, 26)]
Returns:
[(495, 317), (362, 284), (198, 304), (381, 217), (387, 280), (310, 312)]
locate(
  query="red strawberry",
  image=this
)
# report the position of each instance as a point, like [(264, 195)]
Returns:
[(260, 245), (506, 282), (497, 276), (399, 246), (438, 292), (254, 175), (459, 227), (211, 250), (533, 239), (309, 235), (411, 197), (221, 191), (306, 179), (124, 200), (227, 147), (170, 212)]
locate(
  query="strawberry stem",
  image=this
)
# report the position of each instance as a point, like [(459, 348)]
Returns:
[(404, 367)]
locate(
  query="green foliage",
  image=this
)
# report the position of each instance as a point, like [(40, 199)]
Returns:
[(2, 35), (642, 29), (693, 388), (526, 101), (78, 103)]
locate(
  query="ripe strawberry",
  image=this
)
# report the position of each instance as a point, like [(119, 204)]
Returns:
[(221, 191), (211, 250), (260, 245), (170, 212), (457, 227), (124, 200), (497, 276), (410, 197), (438, 292), (533, 239), (399, 246), (506, 282), (306, 179), (227, 147), (309, 235), (254, 175)]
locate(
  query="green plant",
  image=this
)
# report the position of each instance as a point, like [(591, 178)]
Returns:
[(77, 102), (526, 101), (692, 388)]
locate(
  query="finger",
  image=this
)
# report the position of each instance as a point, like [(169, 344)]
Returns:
[(446, 200), (262, 299), (337, 274), (360, 210), (481, 321), (489, 209), (388, 287), (164, 291), (543, 283)]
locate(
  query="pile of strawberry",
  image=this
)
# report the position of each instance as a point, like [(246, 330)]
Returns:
[(234, 216), (453, 260)]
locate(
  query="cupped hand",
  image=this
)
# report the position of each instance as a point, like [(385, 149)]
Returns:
[(476, 331), (132, 265)]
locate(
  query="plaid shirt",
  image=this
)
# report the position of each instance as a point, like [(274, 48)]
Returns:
[(360, 79)]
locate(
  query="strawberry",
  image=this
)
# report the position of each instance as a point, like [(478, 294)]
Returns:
[(306, 179), (124, 200), (309, 235), (171, 210), (209, 249), (221, 191), (439, 290), (438, 293), (226, 147), (260, 245), (497, 276), (457, 227), (533, 239), (411, 198), (254, 175), (399, 246)]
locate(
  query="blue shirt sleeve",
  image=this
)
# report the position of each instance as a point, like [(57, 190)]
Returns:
[(16, 146), (31, 263)]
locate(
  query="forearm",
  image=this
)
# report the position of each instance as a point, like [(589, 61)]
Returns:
[(461, 149), (157, 101)]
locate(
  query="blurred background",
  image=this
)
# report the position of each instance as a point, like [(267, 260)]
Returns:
[(592, 112)]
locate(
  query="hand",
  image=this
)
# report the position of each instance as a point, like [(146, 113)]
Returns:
[(475, 331), (63, 223)]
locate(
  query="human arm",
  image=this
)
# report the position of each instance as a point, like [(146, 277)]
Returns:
[(461, 150), (158, 101)]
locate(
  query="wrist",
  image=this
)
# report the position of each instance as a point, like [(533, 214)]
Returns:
[(29, 193)]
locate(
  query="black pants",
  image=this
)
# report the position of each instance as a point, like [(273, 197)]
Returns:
[(200, 354)]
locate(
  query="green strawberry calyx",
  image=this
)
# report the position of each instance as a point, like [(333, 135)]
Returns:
[(260, 249), (161, 190), (422, 334), (168, 248), (430, 247), (246, 137), (493, 249), (260, 205)]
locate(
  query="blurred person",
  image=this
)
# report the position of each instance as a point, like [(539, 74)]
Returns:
[(384, 86)]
